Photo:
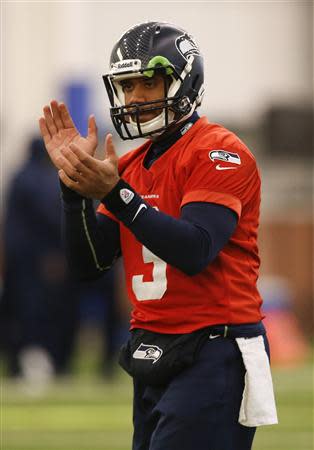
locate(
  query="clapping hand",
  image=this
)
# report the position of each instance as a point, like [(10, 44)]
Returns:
[(58, 132), (73, 155)]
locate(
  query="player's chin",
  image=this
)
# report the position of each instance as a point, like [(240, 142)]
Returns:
[(143, 117), (147, 117)]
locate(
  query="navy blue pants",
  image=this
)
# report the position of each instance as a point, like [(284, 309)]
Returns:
[(197, 410)]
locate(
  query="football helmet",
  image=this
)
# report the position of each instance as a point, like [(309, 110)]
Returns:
[(143, 51)]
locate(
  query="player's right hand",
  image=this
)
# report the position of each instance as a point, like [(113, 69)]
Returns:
[(58, 132)]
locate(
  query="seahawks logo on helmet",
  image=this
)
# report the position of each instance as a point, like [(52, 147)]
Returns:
[(148, 352), (186, 46)]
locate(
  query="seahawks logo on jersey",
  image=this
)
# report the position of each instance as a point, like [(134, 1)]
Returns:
[(222, 155), (148, 352)]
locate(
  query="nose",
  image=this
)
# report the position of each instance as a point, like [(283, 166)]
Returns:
[(137, 95)]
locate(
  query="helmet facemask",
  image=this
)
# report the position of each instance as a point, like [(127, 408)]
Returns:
[(173, 108)]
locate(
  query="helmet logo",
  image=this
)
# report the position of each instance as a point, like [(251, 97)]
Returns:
[(186, 46), (125, 65)]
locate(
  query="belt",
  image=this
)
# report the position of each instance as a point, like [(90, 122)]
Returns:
[(243, 330)]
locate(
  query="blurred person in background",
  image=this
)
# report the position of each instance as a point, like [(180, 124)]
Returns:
[(101, 311), (183, 210), (39, 307)]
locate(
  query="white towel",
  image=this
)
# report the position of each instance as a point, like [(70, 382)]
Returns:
[(258, 402)]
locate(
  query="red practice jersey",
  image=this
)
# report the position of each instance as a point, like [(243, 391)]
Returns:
[(207, 164)]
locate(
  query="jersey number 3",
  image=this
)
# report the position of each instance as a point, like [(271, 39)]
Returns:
[(151, 290)]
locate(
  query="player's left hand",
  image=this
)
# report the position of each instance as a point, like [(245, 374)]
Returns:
[(86, 174)]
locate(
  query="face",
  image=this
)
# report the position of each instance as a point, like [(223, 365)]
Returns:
[(144, 89)]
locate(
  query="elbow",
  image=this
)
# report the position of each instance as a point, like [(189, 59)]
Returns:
[(91, 277), (193, 268), (197, 265), (198, 258), (85, 276)]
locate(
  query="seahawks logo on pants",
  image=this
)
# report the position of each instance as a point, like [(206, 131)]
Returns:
[(148, 352)]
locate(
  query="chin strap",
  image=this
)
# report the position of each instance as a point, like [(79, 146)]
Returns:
[(153, 124)]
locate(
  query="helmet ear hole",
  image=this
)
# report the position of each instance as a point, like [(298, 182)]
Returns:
[(184, 106)]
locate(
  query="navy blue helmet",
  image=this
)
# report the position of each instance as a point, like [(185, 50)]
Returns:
[(143, 51)]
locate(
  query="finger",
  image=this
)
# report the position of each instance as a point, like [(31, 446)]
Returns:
[(84, 158), (44, 130), (65, 164), (110, 151), (75, 163), (56, 114), (92, 130), (65, 116), (49, 121), (69, 182), (62, 163)]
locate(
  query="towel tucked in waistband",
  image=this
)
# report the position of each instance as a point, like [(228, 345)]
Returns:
[(258, 402)]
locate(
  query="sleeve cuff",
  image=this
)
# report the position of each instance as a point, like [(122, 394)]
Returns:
[(68, 195), (203, 195)]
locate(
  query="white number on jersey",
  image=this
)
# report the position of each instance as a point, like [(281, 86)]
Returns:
[(151, 290)]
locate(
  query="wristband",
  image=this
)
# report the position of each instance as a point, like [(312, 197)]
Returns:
[(124, 203)]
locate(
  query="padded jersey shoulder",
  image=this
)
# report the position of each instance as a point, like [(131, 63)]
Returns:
[(210, 137)]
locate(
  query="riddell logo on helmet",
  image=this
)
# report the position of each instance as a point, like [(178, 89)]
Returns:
[(125, 65)]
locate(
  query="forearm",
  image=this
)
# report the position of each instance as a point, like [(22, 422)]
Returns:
[(176, 241), (91, 245), (189, 243)]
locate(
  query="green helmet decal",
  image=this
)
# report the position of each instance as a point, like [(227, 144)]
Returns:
[(158, 61)]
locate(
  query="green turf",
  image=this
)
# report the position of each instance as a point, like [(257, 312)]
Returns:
[(88, 414), (294, 395)]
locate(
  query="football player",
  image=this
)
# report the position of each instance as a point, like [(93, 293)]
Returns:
[(183, 211)]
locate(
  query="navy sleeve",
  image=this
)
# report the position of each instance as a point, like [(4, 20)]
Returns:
[(92, 242), (189, 243)]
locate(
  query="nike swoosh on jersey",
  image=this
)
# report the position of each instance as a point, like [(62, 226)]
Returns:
[(214, 336), (138, 210), (219, 167)]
